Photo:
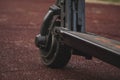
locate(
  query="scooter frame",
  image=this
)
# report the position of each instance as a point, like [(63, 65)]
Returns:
[(72, 14)]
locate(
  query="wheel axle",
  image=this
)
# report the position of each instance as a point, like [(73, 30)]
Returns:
[(40, 40)]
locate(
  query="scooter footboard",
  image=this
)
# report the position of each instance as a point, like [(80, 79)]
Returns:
[(105, 49)]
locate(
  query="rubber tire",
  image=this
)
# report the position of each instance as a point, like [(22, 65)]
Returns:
[(60, 56)]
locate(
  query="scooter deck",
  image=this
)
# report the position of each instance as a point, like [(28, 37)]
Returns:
[(102, 42), (103, 48)]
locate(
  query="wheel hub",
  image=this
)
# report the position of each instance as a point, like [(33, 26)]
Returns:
[(40, 40)]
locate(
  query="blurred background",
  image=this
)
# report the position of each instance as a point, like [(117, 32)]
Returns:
[(20, 21)]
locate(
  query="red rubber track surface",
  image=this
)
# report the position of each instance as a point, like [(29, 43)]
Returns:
[(20, 21)]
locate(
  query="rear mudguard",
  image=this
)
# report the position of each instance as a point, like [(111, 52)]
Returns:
[(53, 10)]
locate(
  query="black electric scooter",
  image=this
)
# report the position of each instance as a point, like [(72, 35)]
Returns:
[(63, 34)]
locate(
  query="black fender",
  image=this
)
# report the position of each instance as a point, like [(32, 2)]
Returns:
[(53, 10)]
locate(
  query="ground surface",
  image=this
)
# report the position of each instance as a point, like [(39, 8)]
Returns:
[(19, 58), (113, 2)]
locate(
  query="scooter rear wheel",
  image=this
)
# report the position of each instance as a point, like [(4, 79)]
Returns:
[(54, 54)]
